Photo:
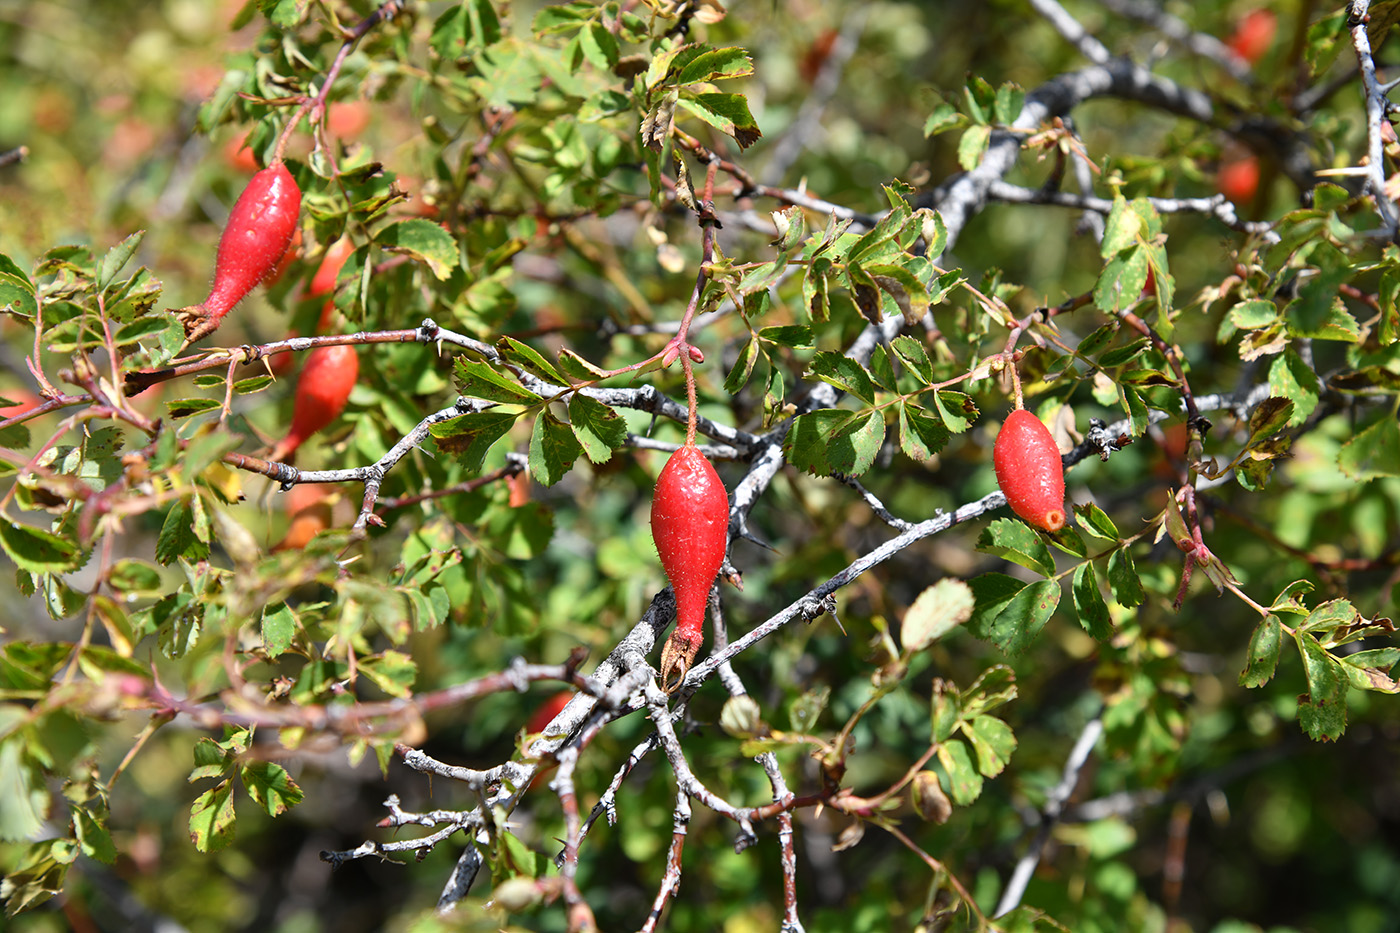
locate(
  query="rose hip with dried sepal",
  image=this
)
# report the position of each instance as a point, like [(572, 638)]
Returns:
[(690, 525), (257, 236)]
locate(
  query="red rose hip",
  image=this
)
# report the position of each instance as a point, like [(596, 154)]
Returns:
[(1029, 471), (322, 391), (257, 236), (690, 526)]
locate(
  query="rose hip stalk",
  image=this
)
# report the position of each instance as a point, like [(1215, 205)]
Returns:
[(322, 391), (259, 231), (1029, 471), (690, 525)]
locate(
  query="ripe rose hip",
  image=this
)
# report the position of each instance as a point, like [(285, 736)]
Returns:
[(257, 236), (690, 525), (322, 283), (1253, 35), (1238, 179), (322, 391), (1029, 471)]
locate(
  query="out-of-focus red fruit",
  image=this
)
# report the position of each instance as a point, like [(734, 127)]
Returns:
[(1253, 35), (519, 486), (323, 282), (310, 508), (816, 55), (347, 119), (23, 400), (547, 711), (1174, 438), (322, 391), (1238, 179), (239, 156), (285, 262)]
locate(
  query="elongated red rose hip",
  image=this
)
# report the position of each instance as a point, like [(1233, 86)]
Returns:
[(690, 525), (1029, 471), (322, 391), (259, 230)]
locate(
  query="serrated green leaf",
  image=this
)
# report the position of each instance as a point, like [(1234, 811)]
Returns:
[(921, 435), (912, 353), (1323, 711), (393, 671), (1328, 617), (1374, 451), (1121, 282), (1121, 355), (471, 436), (945, 711), (972, 145), (270, 786), (1369, 670), (881, 370), (279, 625), (794, 336), (92, 836), (38, 551), (116, 258), (1009, 613), (24, 801), (743, 367), (211, 760), (844, 373), (1009, 101), (212, 818), (1123, 579), (478, 379), (529, 359), (1268, 418), (1253, 314), (943, 118), (992, 741), (908, 292), (599, 429), (185, 407), (1122, 228), (937, 611), (1016, 541), (854, 444), (715, 64), (577, 367), (957, 409), (1089, 603), (553, 448), (806, 443), (1262, 658), (994, 687), (728, 113), (1096, 522), (424, 241), (965, 783)]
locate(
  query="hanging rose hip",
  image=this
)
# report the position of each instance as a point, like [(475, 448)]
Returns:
[(690, 526), (1029, 471), (322, 391), (257, 236), (322, 283)]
